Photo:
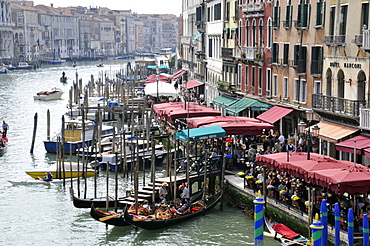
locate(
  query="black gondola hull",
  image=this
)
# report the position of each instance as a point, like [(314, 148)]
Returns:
[(116, 221)]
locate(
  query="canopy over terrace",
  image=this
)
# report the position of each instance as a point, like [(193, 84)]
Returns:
[(362, 142), (201, 133), (153, 78), (160, 107), (338, 176), (242, 128), (190, 84), (170, 114), (197, 122)]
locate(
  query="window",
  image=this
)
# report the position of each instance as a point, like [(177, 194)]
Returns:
[(285, 88), (247, 34), (198, 14), (320, 13), (208, 14), (275, 91), (239, 76), (210, 47), (332, 21), (269, 33), (236, 11), (275, 52), (303, 91), (260, 32), (296, 89), (253, 79), (288, 15), (286, 54), (316, 60), (317, 87), (260, 81), (365, 16), (227, 14), (254, 41), (276, 15), (217, 11), (246, 77), (302, 59), (296, 55), (268, 82), (303, 18), (343, 20)]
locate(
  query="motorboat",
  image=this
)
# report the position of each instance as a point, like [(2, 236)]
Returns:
[(73, 136), (39, 181), (24, 65), (3, 70), (99, 65), (53, 94)]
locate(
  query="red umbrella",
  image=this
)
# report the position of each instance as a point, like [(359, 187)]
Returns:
[(276, 160), (242, 128), (352, 180)]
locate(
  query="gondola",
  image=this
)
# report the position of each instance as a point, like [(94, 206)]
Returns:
[(115, 219), (283, 234), (97, 202), (153, 224)]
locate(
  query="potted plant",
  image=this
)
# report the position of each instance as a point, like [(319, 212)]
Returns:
[(242, 54)]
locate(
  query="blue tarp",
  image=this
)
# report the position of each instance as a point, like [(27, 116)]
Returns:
[(202, 133), (197, 36)]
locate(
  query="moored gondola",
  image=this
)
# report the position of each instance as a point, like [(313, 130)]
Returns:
[(157, 222), (115, 219), (97, 202)]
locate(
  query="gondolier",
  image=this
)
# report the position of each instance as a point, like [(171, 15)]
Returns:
[(5, 128)]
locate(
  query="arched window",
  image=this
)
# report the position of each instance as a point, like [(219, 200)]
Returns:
[(329, 77), (340, 77), (269, 33), (247, 34), (254, 33), (261, 32)]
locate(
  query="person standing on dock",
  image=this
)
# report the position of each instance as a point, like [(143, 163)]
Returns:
[(5, 128), (185, 192)]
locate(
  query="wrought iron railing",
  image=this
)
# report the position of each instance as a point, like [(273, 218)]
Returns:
[(337, 105)]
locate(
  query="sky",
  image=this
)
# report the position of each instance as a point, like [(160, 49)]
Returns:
[(137, 6)]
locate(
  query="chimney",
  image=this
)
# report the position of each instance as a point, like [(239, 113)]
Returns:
[(52, 5)]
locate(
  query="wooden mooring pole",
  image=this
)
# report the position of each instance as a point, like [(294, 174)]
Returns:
[(34, 133)]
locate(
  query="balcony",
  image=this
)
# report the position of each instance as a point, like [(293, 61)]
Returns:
[(366, 40), (249, 53), (332, 40), (227, 53), (253, 7), (337, 105), (226, 86), (365, 118)]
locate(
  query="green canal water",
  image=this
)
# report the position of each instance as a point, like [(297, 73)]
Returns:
[(40, 214)]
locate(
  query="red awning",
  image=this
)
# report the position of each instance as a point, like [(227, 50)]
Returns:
[(362, 142), (193, 110), (190, 84), (242, 128), (197, 122), (274, 114), (157, 108), (178, 74), (153, 78)]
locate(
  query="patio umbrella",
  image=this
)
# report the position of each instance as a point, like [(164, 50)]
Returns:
[(161, 89)]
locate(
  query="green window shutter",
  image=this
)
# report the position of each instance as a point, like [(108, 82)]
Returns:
[(227, 11), (323, 8), (299, 16), (318, 13), (296, 55), (286, 54), (236, 10), (278, 23)]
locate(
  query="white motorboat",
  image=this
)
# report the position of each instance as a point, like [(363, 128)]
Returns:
[(53, 94), (39, 181), (24, 65)]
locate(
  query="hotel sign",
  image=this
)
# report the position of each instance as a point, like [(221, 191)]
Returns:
[(346, 65)]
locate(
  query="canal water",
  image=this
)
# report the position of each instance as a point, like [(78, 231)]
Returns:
[(41, 214)]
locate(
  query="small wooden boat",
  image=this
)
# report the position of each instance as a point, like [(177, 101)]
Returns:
[(115, 219), (284, 234), (97, 202), (53, 94), (63, 79), (99, 65), (153, 222), (76, 172)]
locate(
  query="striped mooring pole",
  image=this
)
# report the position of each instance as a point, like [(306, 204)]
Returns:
[(316, 231), (259, 210)]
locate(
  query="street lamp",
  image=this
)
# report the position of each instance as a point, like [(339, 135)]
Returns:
[(315, 133)]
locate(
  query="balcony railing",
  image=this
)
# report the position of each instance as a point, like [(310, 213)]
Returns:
[(287, 24), (358, 40), (227, 53), (226, 86), (253, 7), (365, 118), (366, 40), (249, 53), (335, 40), (337, 105)]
